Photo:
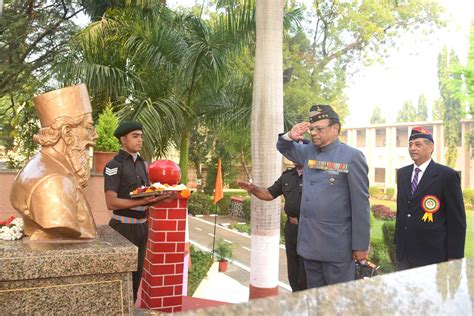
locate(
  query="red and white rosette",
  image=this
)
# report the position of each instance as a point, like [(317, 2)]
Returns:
[(430, 205)]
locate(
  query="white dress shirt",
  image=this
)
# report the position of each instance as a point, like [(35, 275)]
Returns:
[(422, 167)]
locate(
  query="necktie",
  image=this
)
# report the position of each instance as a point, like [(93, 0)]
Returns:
[(414, 183)]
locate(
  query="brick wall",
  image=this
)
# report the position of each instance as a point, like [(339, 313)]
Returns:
[(162, 279)]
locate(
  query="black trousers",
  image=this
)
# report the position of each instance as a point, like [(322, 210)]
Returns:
[(137, 234), (295, 263)]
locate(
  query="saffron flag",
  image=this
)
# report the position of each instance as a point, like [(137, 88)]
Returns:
[(218, 193)]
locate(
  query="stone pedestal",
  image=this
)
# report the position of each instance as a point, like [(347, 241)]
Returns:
[(162, 278), (92, 277)]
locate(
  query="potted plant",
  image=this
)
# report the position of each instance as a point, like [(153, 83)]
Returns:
[(223, 251), (107, 144)]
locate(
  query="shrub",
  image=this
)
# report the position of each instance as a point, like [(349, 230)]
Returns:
[(201, 263), (388, 230), (224, 205), (283, 220), (390, 192), (377, 250), (199, 203), (375, 191), (246, 209), (106, 125), (372, 219), (468, 195), (223, 250), (378, 254), (243, 228), (383, 212), (241, 193)]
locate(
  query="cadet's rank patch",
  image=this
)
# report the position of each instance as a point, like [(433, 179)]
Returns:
[(111, 172), (328, 165), (430, 204)]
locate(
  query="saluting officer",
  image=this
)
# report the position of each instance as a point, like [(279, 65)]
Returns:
[(290, 185), (334, 226), (124, 173)]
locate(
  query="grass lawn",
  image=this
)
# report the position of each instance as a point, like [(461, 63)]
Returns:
[(376, 230)]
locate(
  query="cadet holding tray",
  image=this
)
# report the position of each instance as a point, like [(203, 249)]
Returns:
[(123, 174)]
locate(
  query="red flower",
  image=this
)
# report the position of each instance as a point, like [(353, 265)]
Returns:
[(8, 221)]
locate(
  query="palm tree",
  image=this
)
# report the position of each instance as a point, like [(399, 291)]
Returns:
[(267, 122), (169, 70)]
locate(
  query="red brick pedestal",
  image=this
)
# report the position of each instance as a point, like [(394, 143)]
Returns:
[(162, 280)]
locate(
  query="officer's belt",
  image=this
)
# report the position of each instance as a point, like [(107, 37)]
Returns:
[(129, 220), (293, 220), (140, 208)]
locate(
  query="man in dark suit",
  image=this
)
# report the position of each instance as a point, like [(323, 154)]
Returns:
[(431, 220)]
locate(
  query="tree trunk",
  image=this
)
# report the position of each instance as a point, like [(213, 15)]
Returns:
[(267, 122), (184, 154), (198, 166)]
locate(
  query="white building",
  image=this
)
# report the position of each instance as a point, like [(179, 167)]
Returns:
[(386, 148)]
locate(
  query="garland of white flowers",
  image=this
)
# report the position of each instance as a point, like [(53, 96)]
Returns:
[(12, 231)]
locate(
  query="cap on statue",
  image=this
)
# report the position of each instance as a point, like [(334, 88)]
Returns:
[(70, 101)]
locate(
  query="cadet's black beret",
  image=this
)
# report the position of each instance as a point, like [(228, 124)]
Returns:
[(126, 127), (420, 132), (320, 112)]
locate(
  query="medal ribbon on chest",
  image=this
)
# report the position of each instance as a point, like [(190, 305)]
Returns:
[(328, 165), (430, 205)]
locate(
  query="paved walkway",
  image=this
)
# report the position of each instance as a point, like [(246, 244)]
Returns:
[(201, 235), (221, 287)]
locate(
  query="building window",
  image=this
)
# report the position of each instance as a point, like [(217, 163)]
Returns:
[(380, 137), (380, 175), (402, 136)]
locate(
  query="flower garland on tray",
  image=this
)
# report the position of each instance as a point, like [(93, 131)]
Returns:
[(12, 228)]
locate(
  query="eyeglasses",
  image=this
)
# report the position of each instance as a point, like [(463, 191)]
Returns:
[(312, 129)]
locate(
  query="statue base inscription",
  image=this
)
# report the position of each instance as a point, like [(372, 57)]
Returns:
[(78, 277)]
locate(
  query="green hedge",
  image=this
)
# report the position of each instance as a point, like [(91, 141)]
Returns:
[(375, 191), (377, 250), (468, 195), (241, 193), (390, 192), (224, 205), (378, 254), (243, 228), (246, 209), (388, 230), (199, 204), (201, 262)]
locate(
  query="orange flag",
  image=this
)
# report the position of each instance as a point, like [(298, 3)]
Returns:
[(218, 193)]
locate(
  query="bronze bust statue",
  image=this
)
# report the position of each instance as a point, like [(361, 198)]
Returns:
[(48, 191)]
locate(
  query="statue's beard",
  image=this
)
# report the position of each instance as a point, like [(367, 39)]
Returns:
[(79, 158)]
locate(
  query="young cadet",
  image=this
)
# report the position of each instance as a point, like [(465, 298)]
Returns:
[(124, 173)]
